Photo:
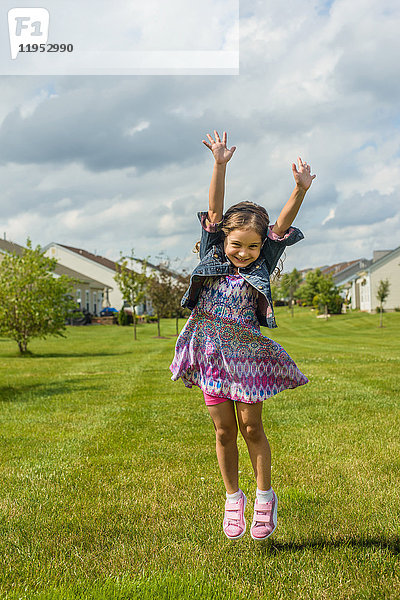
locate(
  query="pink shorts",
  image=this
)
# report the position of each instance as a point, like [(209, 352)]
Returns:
[(212, 400)]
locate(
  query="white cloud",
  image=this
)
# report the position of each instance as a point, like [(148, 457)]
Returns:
[(330, 216), (141, 126), (28, 107)]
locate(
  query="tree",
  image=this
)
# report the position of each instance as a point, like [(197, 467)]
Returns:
[(161, 292), (275, 292), (131, 283), (319, 290), (179, 287), (381, 294), (288, 285), (326, 290), (309, 289), (33, 302)]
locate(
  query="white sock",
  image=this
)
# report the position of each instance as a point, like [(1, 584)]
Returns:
[(233, 498), (264, 497)]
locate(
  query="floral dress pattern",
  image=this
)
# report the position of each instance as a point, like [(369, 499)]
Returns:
[(222, 350)]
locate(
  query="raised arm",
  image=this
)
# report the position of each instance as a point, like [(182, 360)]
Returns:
[(303, 179), (217, 186)]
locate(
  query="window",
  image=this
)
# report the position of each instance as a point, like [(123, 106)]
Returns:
[(87, 300)]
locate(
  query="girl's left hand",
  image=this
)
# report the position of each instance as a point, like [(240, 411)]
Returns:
[(302, 175)]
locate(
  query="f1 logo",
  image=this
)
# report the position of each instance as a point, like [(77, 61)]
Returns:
[(27, 25)]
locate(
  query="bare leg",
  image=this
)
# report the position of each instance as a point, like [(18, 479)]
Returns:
[(251, 427), (226, 430)]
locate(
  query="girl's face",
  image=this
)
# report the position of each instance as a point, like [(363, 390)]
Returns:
[(242, 246)]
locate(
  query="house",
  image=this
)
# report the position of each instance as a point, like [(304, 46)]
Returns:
[(92, 266), (360, 282), (89, 292), (100, 269), (94, 287), (344, 280)]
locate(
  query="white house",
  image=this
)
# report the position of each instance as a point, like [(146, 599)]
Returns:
[(100, 269), (88, 291), (97, 267), (362, 284), (345, 280)]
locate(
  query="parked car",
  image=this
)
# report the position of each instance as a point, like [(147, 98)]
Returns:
[(108, 312)]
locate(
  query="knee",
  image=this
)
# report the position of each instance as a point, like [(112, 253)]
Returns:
[(225, 435), (252, 432)]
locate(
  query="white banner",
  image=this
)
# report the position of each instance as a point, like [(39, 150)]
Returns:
[(123, 37)]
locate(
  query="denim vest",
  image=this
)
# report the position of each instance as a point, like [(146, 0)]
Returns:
[(214, 263)]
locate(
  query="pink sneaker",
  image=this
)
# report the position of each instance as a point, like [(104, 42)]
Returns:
[(234, 522), (264, 520)]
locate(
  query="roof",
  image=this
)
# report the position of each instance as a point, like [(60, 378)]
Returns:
[(79, 277), (110, 264), (11, 247), (338, 267), (332, 269), (101, 260), (384, 259)]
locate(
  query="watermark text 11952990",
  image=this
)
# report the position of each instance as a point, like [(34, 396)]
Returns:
[(123, 38), (46, 48)]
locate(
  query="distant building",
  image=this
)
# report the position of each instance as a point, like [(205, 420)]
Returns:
[(94, 266), (102, 270), (89, 292), (363, 285), (360, 280)]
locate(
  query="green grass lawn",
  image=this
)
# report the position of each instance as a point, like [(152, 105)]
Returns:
[(110, 487)]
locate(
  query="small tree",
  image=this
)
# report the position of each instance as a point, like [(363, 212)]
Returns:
[(131, 283), (324, 295), (33, 302), (382, 293), (275, 292), (310, 288), (179, 287), (288, 286), (319, 290), (161, 292)]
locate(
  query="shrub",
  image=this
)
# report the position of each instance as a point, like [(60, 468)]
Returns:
[(123, 318)]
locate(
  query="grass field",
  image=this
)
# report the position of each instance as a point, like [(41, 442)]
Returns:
[(110, 487)]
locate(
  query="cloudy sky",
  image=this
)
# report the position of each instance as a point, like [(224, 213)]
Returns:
[(109, 163)]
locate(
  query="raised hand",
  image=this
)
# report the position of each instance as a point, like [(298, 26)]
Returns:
[(302, 175), (221, 153)]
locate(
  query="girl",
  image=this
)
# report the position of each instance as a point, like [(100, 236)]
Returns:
[(221, 349)]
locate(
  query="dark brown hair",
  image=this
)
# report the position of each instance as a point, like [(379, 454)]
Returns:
[(247, 215)]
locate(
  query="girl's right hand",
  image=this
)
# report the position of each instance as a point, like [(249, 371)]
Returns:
[(221, 153)]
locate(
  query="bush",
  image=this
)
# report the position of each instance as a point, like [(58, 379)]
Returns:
[(335, 305), (123, 318), (150, 318)]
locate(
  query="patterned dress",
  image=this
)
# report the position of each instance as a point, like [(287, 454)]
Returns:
[(222, 351)]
